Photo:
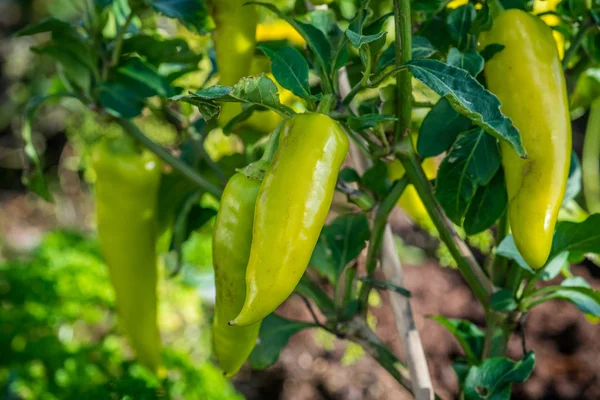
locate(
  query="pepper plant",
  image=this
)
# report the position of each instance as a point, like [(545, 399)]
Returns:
[(456, 111)]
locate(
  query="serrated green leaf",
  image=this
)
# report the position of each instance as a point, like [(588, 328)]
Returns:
[(472, 161), (258, 90), (487, 206), (274, 334), (469, 98), (440, 128), (289, 68)]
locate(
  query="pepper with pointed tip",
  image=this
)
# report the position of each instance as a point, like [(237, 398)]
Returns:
[(126, 190), (291, 209), (528, 78)]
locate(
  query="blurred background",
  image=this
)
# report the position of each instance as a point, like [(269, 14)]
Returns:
[(58, 334)]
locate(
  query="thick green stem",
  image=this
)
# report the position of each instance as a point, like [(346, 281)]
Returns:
[(468, 266), (377, 230), (167, 157), (590, 161), (403, 77)]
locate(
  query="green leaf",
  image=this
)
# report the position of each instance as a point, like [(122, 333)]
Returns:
[(205, 100), (579, 292), (554, 266), (33, 176), (488, 204), (339, 243), (508, 249), (368, 121), (311, 290), (493, 378), (503, 300), (383, 285), (469, 336), (119, 100), (471, 61), (76, 74), (46, 25), (468, 97), (440, 128), (315, 38), (192, 13), (472, 161), (577, 237), (375, 179), (491, 50), (459, 23), (421, 48), (289, 68), (144, 79), (258, 90), (483, 21), (357, 40), (574, 181), (157, 50), (274, 334)]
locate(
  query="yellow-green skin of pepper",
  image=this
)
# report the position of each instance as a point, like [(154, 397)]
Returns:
[(232, 237), (235, 40), (126, 191), (291, 209), (528, 79)]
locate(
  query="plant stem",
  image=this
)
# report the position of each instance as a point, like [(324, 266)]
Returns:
[(513, 279), (164, 155), (116, 54), (479, 283), (590, 161), (585, 26), (403, 78), (377, 230), (500, 264)]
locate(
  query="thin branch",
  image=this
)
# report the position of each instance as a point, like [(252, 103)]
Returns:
[(311, 310)]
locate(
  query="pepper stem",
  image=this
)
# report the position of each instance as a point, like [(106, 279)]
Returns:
[(327, 103), (257, 169)]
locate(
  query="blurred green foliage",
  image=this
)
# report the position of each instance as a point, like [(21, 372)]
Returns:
[(59, 340)]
